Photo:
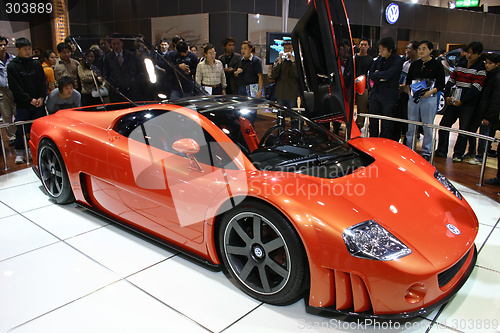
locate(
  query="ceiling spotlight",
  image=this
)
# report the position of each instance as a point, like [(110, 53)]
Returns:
[(451, 4), (414, 1)]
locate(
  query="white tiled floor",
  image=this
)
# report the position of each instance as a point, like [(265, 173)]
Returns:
[(63, 269)]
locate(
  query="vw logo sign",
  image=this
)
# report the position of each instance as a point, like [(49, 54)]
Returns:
[(453, 229), (392, 13)]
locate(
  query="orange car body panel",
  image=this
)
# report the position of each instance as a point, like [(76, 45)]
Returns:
[(398, 191)]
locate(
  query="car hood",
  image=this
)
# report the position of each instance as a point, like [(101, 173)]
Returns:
[(401, 193)]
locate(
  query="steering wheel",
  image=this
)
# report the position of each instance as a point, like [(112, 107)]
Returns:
[(295, 136), (262, 142)]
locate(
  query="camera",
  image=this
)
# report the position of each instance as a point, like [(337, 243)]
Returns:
[(285, 56)]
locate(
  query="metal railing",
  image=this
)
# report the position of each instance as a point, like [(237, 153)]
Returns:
[(17, 123), (435, 128)]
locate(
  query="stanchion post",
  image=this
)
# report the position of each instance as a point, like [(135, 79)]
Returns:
[(483, 167), (414, 143), (26, 146), (3, 151), (433, 151)]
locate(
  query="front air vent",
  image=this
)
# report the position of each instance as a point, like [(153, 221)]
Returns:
[(445, 277)]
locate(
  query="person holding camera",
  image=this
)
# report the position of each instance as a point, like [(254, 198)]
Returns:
[(182, 81), (285, 73)]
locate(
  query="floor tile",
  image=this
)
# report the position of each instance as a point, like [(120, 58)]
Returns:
[(19, 235), (482, 234), (65, 221), (17, 178), (25, 197), (207, 297), (487, 210), (120, 307), (476, 303), (40, 281), (119, 250), (6, 211), (488, 257), (293, 318)]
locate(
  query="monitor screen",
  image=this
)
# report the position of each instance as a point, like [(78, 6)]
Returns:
[(274, 45), (466, 3)]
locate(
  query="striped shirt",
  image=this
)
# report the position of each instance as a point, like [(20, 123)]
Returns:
[(470, 80), (210, 75)]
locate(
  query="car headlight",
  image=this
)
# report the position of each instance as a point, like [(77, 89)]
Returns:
[(370, 240), (446, 183)]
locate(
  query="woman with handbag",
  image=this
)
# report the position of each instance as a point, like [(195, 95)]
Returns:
[(89, 80)]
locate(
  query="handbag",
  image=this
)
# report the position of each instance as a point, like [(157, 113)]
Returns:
[(103, 92)]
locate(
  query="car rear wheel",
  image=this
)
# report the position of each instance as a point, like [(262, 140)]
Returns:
[(53, 173), (263, 253)]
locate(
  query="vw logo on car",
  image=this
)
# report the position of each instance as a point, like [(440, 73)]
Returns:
[(453, 229), (392, 13)]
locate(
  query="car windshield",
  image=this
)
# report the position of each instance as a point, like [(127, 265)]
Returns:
[(272, 137)]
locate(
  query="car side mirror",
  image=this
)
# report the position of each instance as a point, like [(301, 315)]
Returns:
[(360, 84), (189, 147)]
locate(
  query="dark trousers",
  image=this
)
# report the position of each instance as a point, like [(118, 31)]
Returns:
[(483, 129), (498, 165), (242, 91), (465, 115), (382, 108), (23, 114), (401, 111)]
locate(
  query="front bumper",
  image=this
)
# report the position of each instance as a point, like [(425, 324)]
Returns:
[(330, 311)]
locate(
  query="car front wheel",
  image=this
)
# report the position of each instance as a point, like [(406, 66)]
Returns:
[(53, 173), (263, 253)]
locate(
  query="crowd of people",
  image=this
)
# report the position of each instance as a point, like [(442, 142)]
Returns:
[(407, 87)]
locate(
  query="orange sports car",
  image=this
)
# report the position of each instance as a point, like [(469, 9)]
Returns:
[(360, 226)]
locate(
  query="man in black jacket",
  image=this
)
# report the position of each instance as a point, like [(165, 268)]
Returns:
[(385, 73), (29, 86), (487, 112), (120, 69), (230, 60), (182, 79)]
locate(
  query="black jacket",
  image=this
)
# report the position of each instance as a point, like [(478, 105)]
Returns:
[(180, 78), (385, 74), (489, 103), (26, 81), (123, 77)]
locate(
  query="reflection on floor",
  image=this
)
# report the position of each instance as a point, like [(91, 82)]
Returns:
[(63, 269)]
